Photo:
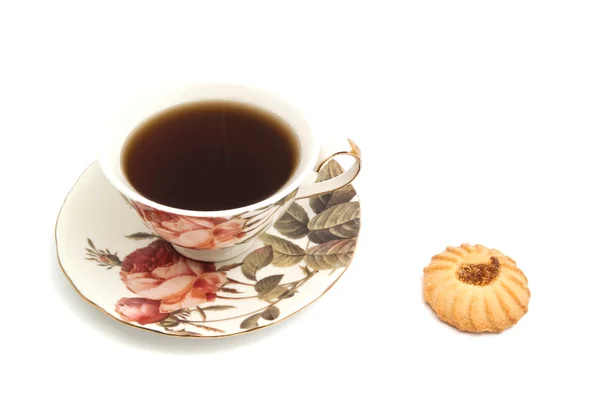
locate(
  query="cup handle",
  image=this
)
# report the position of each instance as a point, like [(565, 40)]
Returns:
[(327, 152)]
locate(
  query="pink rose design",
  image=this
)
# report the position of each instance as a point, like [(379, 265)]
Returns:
[(158, 253), (140, 310), (156, 272), (192, 232)]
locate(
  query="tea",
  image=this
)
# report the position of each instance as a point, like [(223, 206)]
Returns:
[(210, 155)]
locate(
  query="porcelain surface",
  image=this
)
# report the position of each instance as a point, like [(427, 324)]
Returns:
[(123, 268)]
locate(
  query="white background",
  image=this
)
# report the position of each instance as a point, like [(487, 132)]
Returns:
[(478, 123)]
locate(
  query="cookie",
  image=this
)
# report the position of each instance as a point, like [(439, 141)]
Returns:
[(476, 289)]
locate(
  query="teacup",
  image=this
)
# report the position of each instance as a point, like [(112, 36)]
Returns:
[(223, 234)]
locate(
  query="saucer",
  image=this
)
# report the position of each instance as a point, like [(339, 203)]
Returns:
[(114, 262)]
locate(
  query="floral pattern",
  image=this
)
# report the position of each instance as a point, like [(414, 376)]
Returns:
[(180, 296), (140, 310), (192, 232), (156, 272), (208, 233)]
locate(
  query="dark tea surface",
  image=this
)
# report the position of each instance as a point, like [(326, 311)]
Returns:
[(210, 156)]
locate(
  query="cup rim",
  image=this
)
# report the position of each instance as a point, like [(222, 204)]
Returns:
[(211, 92)]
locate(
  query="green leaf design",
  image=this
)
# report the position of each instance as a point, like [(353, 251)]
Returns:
[(218, 307), (271, 313), (250, 322), (169, 322), (181, 312), (321, 236), (285, 253), (140, 236), (331, 255), (329, 170), (274, 294), (335, 216), (293, 222), (91, 244), (342, 195), (256, 260), (345, 230), (251, 237), (226, 268), (230, 290), (268, 283), (201, 312)]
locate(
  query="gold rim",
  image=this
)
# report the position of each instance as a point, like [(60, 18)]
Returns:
[(162, 332)]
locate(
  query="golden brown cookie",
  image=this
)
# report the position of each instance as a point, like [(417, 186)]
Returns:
[(476, 289)]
